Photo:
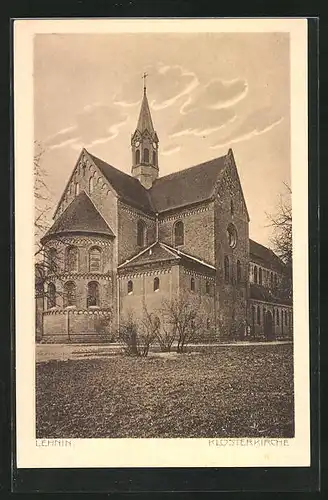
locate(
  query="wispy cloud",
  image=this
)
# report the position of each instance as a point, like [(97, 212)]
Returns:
[(216, 94), (65, 143), (257, 123), (97, 123), (202, 123), (63, 131), (171, 150)]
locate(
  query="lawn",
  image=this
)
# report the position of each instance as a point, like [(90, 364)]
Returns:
[(231, 391)]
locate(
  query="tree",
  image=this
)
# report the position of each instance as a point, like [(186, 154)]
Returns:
[(184, 318), (137, 334), (281, 224), (46, 263)]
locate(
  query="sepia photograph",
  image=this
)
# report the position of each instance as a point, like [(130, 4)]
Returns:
[(162, 200)]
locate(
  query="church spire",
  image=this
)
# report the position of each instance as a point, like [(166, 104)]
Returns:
[(144, 144)]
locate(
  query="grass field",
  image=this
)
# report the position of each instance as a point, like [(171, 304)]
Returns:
[(231, 392)]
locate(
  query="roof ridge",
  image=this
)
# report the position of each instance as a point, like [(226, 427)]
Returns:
[(172, 174)]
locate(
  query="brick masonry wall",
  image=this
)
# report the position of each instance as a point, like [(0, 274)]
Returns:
[(198, 231), (143, 290), (231, 296), (127, 231), (54, 323)]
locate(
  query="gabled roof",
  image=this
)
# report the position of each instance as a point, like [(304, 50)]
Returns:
[(128, 188), (263, 255), (81, 216), (160, 252), (145, 121), (191, 185)]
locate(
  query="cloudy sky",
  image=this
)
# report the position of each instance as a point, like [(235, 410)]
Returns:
[(207, 92)]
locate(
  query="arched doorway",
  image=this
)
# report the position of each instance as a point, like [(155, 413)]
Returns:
[(268, 326)]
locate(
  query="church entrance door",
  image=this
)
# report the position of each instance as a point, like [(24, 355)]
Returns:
[(268, 326)]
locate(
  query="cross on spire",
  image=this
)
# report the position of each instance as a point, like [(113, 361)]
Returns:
[(144, 76)]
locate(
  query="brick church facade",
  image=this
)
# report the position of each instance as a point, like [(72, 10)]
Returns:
[(121, 242)]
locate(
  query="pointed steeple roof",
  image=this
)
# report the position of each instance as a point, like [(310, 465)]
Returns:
[(145, 122)]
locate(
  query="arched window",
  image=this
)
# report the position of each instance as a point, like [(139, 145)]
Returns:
[(51, 296), (232, 211), (207, 287), (275, 281), (192, 284), (91, 184), (278, 314), (208, 323), (226, 269), (271, 279), (255, 274), (146, 155), (52, 260), (138, 156), (258, 315), (130, 286), (94, 260), (77, 188), (83, 169), (178, 233), (93, 294), (238, 271), (141, 233), (156, 284), (273, 316), (260, 275), (72, 259), (69, 294), (154, 157), (232, 235)]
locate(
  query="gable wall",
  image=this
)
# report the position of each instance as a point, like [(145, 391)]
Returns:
[(198, 231), (231, 296), (127, 231)]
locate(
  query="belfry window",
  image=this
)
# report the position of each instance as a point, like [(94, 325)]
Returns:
[(192, 284), (146, 155), (141, 233), (72, 259), (178, 231), (51, 296), (69, 294), (154, 157), (207, 287), (94, 260), (93, 294), (130, 287), (138, 156)]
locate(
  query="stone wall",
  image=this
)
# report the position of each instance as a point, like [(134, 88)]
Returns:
[(198, 231), (128, 218)]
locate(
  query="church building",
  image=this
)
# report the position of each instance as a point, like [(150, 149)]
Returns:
[(122, 242)]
